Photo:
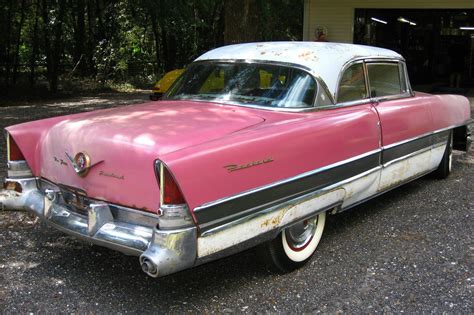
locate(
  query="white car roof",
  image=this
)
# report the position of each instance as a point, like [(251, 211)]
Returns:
[(323, 59)]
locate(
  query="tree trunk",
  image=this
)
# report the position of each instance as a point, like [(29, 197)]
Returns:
[(91, 39), (79, 34), (34, 50), (241, 21), (53, 48), (16, 56), (8, 43)]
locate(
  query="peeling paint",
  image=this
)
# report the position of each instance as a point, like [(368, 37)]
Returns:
[(396, 173), (271, 220)]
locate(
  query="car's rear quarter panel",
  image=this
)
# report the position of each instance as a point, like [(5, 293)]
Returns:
[(448, 110), (297, 143)]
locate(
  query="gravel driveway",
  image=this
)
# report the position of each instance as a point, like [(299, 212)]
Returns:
[(409, 250)]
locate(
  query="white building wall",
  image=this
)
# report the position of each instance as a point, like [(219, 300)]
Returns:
[(338, 15)]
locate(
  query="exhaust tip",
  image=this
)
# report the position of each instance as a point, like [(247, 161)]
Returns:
[(149, 267)]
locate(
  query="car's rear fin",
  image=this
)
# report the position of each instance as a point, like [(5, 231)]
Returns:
[(13, 151), (174, 211), (17, 167)]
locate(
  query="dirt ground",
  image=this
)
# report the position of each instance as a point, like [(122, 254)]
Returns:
[(410, 250)]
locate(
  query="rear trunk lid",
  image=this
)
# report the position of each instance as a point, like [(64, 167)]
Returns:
[(123, 143)]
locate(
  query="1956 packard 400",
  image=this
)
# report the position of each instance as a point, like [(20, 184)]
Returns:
[(253, 144)]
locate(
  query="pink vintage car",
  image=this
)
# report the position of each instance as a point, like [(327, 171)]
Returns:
[(254, 144)]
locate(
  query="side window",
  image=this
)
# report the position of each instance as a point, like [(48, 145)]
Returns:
[(352, 85), (323, 98), (385, 79)]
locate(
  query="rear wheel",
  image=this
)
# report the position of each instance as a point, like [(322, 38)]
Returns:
[(444, 168), (295, 245)]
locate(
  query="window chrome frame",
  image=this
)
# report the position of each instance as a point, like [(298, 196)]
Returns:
[(368, 60), (339, 78), (401, 67)]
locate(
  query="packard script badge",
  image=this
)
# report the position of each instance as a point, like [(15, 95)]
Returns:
[(81, 163)]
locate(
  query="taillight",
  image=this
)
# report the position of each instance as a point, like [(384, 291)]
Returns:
[(174, 212), (171, 193), (13, 151)]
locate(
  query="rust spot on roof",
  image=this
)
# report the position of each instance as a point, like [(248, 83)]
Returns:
[(307, 55)]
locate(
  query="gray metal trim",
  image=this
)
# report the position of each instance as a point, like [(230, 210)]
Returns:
[(233, 208), (365, 60), (254, 201), (245, 193)]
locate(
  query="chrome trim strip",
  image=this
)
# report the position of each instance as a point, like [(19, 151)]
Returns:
[(284, 181), (236, 205), (8, 145), (407, 156), (385, 190), (423, 135), (18, 169), (365, 60), (311, 195)]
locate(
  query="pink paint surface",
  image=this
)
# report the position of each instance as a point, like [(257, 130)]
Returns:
[(196, 140)]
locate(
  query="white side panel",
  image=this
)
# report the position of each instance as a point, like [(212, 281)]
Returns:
[(246, 230), (395, 173), (437, 155), (361, 189)]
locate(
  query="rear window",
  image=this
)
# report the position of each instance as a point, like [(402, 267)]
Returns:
[(247, 84)]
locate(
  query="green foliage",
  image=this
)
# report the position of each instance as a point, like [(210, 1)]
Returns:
[(113, 42)]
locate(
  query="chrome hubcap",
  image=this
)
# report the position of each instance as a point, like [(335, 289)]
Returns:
[(300, 234)]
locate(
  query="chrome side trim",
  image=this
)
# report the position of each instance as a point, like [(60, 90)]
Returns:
[(407, 156), (422, 136), (7, 135), (284, 181), (311, 195)]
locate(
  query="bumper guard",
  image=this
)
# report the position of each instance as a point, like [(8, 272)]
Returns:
[(132, 232)]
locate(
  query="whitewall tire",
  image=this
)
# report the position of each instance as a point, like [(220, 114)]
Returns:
[(295, 245)]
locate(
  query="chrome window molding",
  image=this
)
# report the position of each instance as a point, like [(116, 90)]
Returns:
[(368, 60), (401, 64), (346, 66)]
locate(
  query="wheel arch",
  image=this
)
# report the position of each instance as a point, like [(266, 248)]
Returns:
[(462, 138)]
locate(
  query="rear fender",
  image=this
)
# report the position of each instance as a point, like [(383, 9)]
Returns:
[(462, 138)]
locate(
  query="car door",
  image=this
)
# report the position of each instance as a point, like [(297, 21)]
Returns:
[(405, 124), (353, 95)]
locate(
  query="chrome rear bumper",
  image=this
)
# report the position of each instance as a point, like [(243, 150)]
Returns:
[(132, 232)]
